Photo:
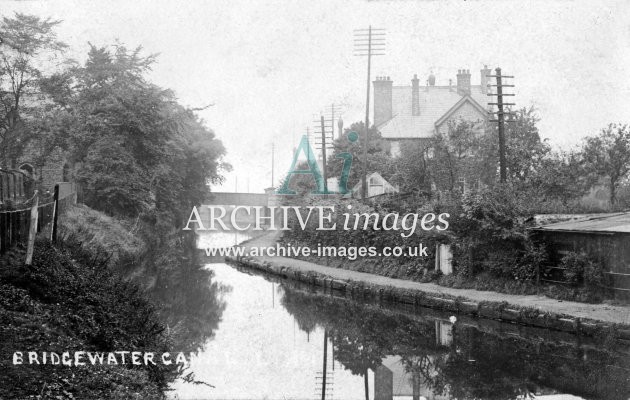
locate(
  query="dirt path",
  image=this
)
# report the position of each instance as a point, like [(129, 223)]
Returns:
[(602, 312)]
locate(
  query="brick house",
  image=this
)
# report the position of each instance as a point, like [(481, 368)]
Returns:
[(411, 113), (45, 171), (414, 113)]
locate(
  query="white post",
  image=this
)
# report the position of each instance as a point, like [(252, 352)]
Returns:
[(32, 230)]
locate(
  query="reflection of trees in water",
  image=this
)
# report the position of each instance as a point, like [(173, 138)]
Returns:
[(476, 365), (482, 365), (189, 302)]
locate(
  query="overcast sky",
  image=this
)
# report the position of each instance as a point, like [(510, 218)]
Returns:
[(269, 66)]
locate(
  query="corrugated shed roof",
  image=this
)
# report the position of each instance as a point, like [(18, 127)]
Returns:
[(616, 223), (435, 101)]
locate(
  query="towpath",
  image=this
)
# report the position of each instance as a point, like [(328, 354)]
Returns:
[(602, 312)]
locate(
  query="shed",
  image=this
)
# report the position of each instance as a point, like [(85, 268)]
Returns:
[(377, 185), (605, 238)]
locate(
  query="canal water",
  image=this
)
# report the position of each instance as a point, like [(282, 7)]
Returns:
[(259, 337)]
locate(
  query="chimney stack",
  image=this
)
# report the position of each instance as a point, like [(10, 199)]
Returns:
[(484, 79), (463, 82), (415, 96), (382, 99)]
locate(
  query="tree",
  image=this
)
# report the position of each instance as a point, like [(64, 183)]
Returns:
[(559, 176), (25, 41), (410, 169), (140, 152), (462, 152), (378, 157), (525, 150), (608, 155)]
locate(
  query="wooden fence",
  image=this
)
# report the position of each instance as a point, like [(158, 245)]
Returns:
[(15, 224), (15, 186)]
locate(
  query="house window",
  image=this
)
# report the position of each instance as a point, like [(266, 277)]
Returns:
[(375, 186), (461, 183)]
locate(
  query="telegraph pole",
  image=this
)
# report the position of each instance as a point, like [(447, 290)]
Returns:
[(326, 127), (368, 42), (324, 157), (325, 363), (334, 109), (501, 118)]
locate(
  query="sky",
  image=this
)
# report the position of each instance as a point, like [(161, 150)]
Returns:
[(270, 67)]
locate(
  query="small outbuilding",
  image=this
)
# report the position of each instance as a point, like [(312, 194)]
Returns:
[(377, 185), (605, 238)]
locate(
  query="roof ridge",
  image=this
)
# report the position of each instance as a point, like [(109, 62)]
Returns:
[(433, 86)]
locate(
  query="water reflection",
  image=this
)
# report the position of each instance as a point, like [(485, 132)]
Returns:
[(189, 299), (276, 339), (428, 355)]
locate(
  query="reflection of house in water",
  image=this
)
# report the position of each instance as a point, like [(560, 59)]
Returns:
[(392, 381), (402, 384)]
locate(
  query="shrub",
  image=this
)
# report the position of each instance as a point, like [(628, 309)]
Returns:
[(67, 300), (530, 262), (579, 268)]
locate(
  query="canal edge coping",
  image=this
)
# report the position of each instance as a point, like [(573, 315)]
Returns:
[(494, 310)]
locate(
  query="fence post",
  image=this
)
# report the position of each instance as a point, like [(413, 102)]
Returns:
[(538, 279), (32, 230), (53, 231), (3, 248)]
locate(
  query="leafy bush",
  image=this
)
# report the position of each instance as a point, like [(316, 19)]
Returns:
[(530, 262), (68, 300), (491, 236), (579, 269)]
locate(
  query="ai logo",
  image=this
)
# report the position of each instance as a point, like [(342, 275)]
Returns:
[(313, 168)]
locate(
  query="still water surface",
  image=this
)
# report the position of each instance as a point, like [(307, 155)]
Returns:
[(272, 339)]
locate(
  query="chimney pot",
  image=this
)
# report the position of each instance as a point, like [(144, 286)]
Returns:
[(415, 95), (463, 82), (382, 100), (485, 82)]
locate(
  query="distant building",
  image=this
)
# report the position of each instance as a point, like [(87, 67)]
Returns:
[(412, 113), (377, 185), (45, 171)]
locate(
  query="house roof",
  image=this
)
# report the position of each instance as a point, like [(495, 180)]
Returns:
[(435, 102), (615, 223), (386, 184)]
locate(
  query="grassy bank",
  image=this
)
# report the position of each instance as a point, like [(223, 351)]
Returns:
[(72, 299), (100, 234)]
